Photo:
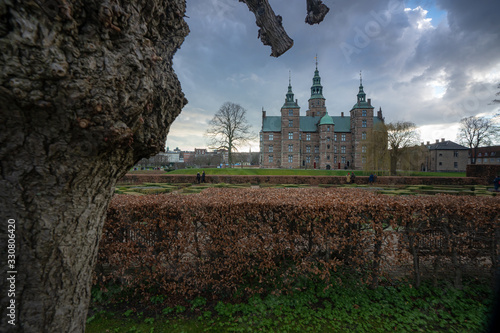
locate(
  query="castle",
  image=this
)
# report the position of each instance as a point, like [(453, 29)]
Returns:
[(317, 140)]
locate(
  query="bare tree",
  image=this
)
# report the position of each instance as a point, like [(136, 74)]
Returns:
[(475, 132), (87, 90), (401, 136), (229, 128)]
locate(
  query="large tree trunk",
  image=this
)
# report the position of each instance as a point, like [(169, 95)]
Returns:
[(86, 90)]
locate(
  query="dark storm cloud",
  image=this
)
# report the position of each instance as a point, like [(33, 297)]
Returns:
[(414, 68)]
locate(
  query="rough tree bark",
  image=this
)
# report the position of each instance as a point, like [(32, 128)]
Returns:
[(87, 89)]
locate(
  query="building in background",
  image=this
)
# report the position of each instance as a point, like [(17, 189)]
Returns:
[(317, 140), (444, 155), (487, 155)]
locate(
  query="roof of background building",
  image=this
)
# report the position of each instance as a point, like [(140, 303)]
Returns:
[(446, 145)]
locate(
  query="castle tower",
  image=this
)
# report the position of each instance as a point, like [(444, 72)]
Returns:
[(317, 106), (361, 125), (326, 129), (290, 142)]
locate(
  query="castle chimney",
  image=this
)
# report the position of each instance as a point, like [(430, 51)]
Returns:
[(263, 113), (442, 139), (341, 114), (428, 142), (437, 141), (369, 101)]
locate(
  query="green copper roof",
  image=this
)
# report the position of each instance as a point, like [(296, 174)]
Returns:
[(271, 124), (309, 124), (326, 120), (362, 105), (342, 124)]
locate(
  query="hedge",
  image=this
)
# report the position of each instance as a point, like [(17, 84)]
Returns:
[(230, 243), (310, 180)]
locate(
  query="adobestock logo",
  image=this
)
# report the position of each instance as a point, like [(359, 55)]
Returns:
[(372, 29)]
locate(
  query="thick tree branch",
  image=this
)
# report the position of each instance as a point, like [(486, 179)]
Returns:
[(271, 30), (316, 11)]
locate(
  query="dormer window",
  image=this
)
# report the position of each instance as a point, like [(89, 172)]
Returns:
[(290, 112), (363, 113)]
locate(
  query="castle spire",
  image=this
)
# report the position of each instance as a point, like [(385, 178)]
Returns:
[(361, 93), (316, 88), (289, 100)]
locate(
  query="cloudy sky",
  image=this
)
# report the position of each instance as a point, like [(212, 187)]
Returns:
[(428, 62)]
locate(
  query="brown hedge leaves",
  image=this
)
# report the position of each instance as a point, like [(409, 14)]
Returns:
[(234, 242)]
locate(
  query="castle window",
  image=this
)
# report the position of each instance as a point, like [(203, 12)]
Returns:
[(363, 113), (316, 149), (308, 136), (363, 160), (363, 149), (290, 158), (363, 136), (290, 112), (335, 149), (455, 153), (343, 137), (328, 157), (328, 139), (335, 137), (455, 165), (364, 123), (271, 136), (290, 148), (328, 147), (316, 159), (334, 159), (328, 128), (342, 149), (290, 123), (270, 158), (308, 149), (290, 135), (308, 159), (270, 148), (343, 160)]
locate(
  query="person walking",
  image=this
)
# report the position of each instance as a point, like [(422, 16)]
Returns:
[(496, 183), (348, 178), (353, 178), (370, 179), (203, 176), (198, 177)]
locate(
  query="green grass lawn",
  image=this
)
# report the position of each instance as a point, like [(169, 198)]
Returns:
[(301, 172)]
